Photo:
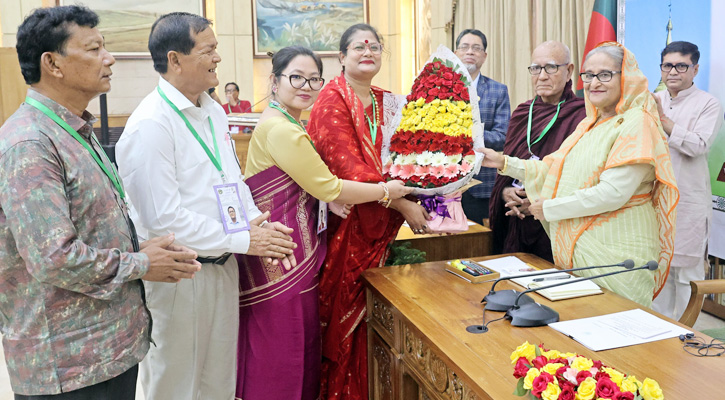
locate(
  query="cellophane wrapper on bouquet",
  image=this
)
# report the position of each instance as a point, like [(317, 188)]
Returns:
[(429, 144)]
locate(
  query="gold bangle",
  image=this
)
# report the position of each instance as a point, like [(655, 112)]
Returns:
[(385, 200), (505, 165)]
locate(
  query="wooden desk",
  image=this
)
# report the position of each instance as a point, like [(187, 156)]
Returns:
[(418, 346), (475, 242)]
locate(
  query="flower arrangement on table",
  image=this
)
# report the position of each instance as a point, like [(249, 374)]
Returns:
[(431, 148), (553, 375)]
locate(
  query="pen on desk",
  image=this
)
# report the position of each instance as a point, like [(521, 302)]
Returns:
[(551, 278)]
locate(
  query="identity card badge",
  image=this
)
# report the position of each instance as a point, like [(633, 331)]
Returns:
[(321, 217), (231, 209)]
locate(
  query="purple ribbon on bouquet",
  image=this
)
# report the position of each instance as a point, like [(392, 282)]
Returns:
[(437, 204)]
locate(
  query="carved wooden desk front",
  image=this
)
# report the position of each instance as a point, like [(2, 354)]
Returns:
[(418, 347)]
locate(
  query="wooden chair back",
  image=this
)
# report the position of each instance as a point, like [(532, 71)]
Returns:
[(698, 290)]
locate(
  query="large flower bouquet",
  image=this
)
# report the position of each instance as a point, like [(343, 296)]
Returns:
[(432, 145), (552, 375), (434, 133)]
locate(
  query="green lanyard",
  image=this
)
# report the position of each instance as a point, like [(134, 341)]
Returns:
[(274, 104), (373, 126), (110, 173), (215, 160), (546, 129)]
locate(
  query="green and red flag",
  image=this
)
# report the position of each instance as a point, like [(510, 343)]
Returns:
[(602, 28)]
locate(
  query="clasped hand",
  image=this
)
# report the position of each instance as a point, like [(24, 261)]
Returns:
[(272, 241), (515, 199)]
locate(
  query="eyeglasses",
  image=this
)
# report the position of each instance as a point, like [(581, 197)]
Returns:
[(476, 48), (604, 76), (359, 47), (299, 81), (548, 68), (680, 67)]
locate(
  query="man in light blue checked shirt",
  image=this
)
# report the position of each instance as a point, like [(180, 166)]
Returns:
[(493, 103)]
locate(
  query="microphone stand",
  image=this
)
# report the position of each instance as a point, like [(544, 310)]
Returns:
[(535, 314), (505, 299)]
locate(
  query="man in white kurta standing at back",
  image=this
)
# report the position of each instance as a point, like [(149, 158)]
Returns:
[(179, 165), (691, 118)]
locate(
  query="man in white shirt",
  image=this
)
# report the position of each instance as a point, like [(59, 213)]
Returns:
[(691, 118), (180, 169)]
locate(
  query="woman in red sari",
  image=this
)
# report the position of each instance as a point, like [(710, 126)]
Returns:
[(345, 125)]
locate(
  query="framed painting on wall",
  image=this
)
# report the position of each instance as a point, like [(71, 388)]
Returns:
[(314, 24), (126, 24)]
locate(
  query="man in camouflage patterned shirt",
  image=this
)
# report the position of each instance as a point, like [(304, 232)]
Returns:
[(72, 312)]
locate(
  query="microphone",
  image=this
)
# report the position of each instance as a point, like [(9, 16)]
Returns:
[(535, 314), (504, 300)]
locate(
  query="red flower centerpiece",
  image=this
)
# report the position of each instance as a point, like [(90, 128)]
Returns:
[(553, 375)]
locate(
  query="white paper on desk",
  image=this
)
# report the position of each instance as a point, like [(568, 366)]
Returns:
[(620, 329), (508, 266), (573, 288)]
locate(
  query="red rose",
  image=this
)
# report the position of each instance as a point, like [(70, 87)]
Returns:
[(429, 67), (598, 365), (448, 75), (540, 382), (433, 92), (556, 360), (560, 373), (437, 65), (606, 389), (540, 361), (409, 98), (624, 396), (458, 88), (429, 99), (601, 374), (447, 83), (414, 178), (581, 376), (520, 369), (464, 96), (567, 392), (443, 181)]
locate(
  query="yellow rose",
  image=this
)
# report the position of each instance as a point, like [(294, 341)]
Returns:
[(530, 376), (586, 389), (435, 102), (630, 384), (525, 350), (420, 102), (651, 390), (582, 364), (552, 367), (616, 376), (552, 392)]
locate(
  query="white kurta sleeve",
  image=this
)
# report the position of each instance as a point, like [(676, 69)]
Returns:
[(148, 169), (616, 186), (697, 141)]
